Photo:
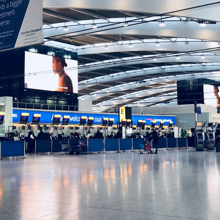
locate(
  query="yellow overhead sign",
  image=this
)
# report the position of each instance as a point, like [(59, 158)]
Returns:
[(122, 114)]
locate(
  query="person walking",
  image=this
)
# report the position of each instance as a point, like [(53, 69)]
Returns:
[(155, 139)]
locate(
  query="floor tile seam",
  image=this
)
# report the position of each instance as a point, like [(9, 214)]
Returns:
[(145, 195), (147, 213), (53, 214), (50, 203)]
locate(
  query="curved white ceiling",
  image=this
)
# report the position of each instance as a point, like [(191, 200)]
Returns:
[(146, 6), (183, 31), (187, 29), (147, 82), (211, 58), (168, 70)]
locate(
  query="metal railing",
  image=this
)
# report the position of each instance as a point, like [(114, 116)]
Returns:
[(45, 106)]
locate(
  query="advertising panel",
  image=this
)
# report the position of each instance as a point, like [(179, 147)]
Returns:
[(212, 95), (50, 73), (20, 23), (47, 117)]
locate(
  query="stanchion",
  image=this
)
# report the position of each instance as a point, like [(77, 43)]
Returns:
[(119, 151), (103, 145), (132, 145), (24, 150), (51, 147), (177, 144), (35, 147), (0, 150), (167, 144), (187, 143)]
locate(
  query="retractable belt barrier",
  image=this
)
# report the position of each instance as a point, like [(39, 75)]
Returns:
[(103, 145), (12, 149), (17, 148)]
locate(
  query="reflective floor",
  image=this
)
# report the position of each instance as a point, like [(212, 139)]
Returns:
[(173, 185)]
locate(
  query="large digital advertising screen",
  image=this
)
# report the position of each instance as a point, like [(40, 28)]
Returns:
[(212, 95), (43, 72)]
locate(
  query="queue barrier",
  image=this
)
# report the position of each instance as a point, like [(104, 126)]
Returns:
[(182, 142), (162, 143), (137, 142), (125, 144), (111, 145), (96, 145), (12, 149), (171, 143), (43, 146), (106, 145)]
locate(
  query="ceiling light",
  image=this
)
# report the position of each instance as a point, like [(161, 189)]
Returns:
[(177, 57), (125, 24), (202, 25), (202, 57), (157, 44), (94, 26), (66, 28), (155, 59), (130, 45), (106, 47), (162, 24)]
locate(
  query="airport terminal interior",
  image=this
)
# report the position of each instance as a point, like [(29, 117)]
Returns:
[(109, 110)]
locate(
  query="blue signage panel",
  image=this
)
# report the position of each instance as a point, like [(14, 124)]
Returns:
[(199, 111), (47, 117)]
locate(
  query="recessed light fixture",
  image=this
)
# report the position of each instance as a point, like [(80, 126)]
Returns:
[(162, 24)]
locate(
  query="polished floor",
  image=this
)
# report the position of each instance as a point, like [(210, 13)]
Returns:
[(173, 185)]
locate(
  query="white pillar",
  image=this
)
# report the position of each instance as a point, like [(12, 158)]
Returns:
[(6, 105)]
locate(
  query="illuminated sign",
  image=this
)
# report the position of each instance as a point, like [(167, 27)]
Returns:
[(47, 117), (122, 114)]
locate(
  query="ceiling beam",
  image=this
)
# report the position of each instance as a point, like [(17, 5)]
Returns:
[(51, 13), (89, 13)]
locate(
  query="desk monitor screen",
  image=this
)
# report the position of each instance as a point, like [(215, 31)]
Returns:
[(210, 124), (139, 124), (110, 122), (66, 120), (56, 119), (90, 121), (128, 122), (36, 118), (2, 115), (200, 136), (83, 120), (1, 119), (24, 118), (123, 122), (104, 121), (153, 123)]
